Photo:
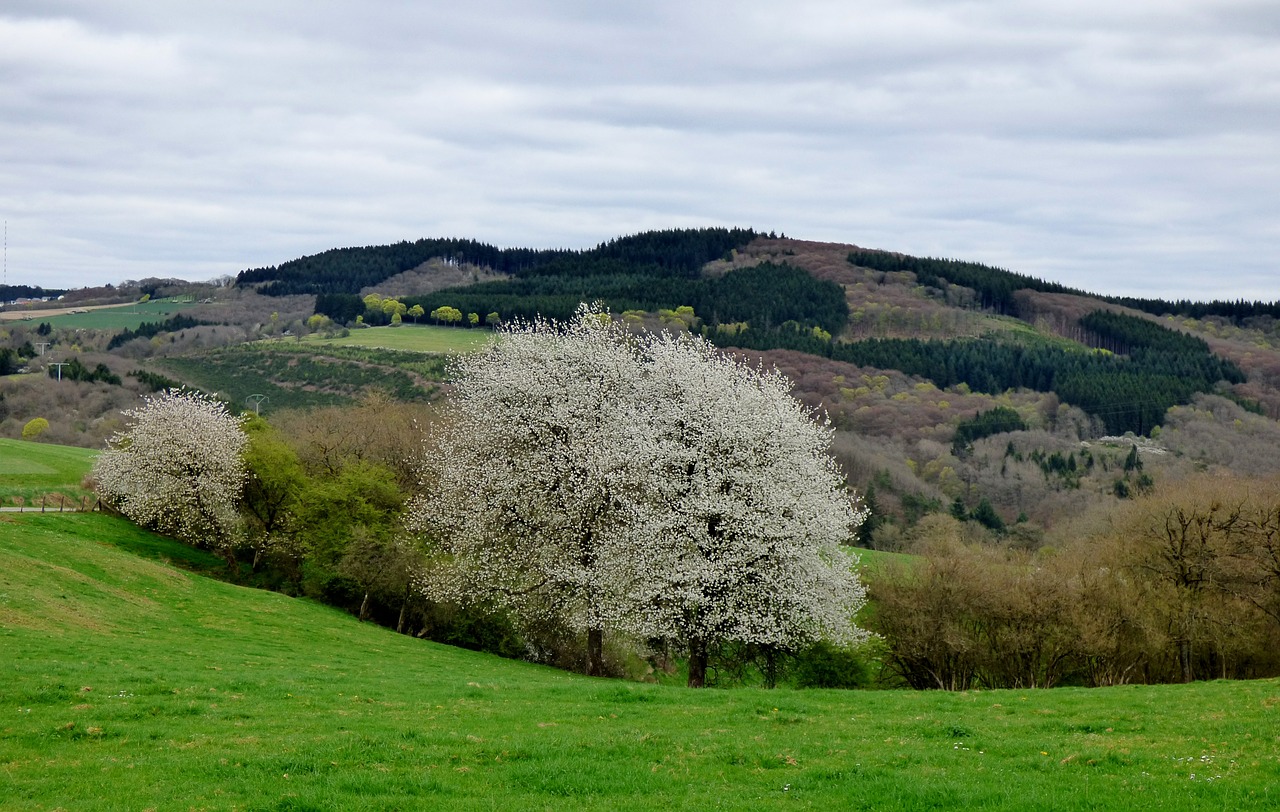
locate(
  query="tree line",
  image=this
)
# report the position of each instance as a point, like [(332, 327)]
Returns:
[(1163, 368), (150, 329), (9, 293), (995, 287), (1182, 585), (766, 296), (676, 252)]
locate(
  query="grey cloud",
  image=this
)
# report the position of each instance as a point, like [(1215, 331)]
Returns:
[(1124, 148)]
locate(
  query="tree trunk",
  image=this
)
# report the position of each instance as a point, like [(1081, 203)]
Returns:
[(595, 652), (364, 608), (1184, 659), (697, 663), (404, 606)]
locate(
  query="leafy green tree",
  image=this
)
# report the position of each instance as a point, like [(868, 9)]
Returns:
[(361, 502), (447, 314), (273, 484)]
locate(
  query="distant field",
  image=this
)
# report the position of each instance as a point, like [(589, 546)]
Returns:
[(116, 318), (131, 684), (415, 338), (306, 374), (29, 472)]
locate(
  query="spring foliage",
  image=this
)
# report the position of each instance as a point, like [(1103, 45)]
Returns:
[(646, 485), (177, 468)]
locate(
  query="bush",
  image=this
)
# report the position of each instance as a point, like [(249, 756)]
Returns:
[(824, 665), (34, 428)]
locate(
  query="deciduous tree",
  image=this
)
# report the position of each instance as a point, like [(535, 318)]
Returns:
[(646, 485), (178, 468), (530, 474), (745, 517)]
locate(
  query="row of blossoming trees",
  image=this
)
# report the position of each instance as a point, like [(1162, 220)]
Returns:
[(581, 479)]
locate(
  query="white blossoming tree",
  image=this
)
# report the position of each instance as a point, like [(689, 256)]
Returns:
[(178, 468), (746, 514), (530, 473), (648, 485)]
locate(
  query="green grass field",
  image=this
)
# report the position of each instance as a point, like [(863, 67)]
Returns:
[(33, 473), (118, 318), (129, 681), (412, 337)]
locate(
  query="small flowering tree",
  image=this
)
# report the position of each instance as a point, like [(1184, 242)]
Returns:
[(178, 469)]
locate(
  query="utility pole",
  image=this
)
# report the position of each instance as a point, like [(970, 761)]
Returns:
[(60, 365), (43, 345)]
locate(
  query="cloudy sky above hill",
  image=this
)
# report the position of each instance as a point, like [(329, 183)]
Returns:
[(1125, 148)]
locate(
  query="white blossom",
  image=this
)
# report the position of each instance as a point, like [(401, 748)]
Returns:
[(177, 468), (746, 515), (650, 485), (529, 478)]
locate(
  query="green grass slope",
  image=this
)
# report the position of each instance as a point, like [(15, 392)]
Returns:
[(34, 473), (127, 682), (411, 337), (127, 316)]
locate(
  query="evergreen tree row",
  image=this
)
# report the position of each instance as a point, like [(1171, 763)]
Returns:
[(148, 329), (766, 296), (1124, 334), (995, 287), (672, 253), (985, 424), (74, 370), (9, 293), (1127, 393)]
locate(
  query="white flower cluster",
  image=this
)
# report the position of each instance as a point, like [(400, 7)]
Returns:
[(646, 484), (177, 468)]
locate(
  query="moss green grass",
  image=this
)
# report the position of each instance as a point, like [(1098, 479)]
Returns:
[(118, 318), (33, 473), (127, 682), (412, 337)]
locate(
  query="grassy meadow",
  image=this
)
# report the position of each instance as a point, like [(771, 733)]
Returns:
[(117, 318), (36, 473), (128, 680), (410, 337)]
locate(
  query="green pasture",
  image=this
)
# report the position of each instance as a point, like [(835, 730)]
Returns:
[(411, 337), (118, 318), (130, 681), (32, 474)]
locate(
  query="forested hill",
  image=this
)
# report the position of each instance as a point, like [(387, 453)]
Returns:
[(930, 318), (996, 287), (662, 254)]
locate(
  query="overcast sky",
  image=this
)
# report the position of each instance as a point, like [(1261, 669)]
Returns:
[(1120, 147)]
